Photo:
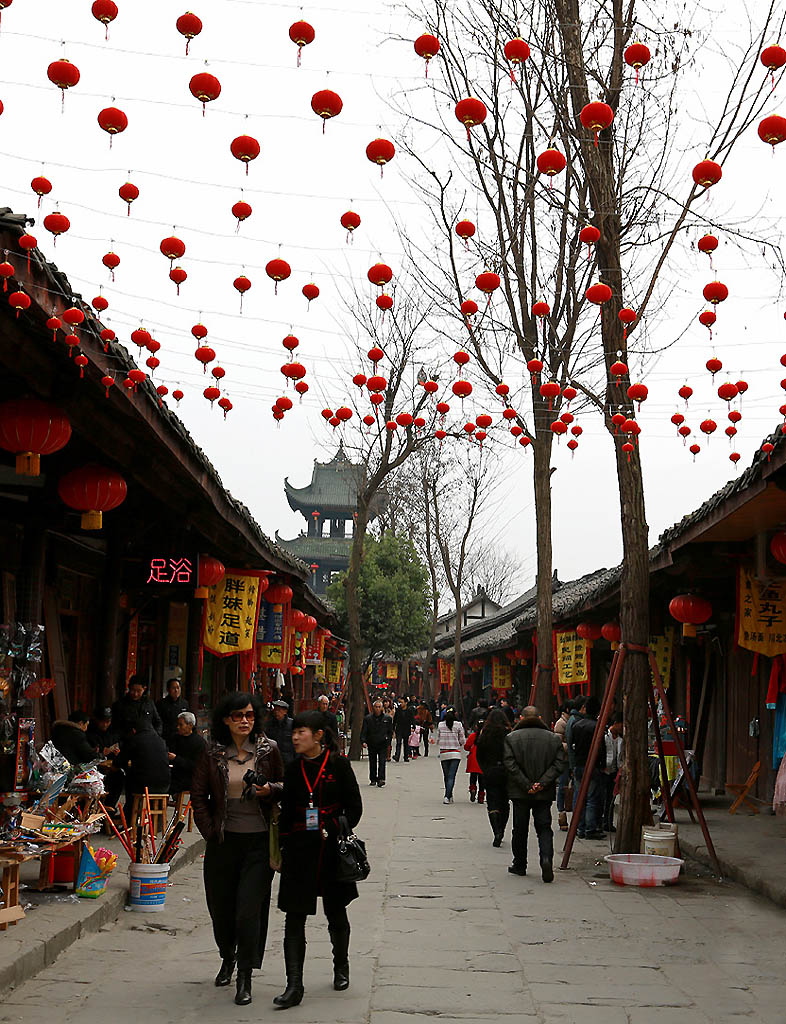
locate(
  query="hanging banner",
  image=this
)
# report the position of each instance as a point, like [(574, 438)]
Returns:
[(391, 670), (231, 613), (315, 648), (447, 671), (501, 674), (274, 634), (761, 614), (663, 649), (571, 658), (333, 672)]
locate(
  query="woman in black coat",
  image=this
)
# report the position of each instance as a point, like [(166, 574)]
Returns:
[(490, 748), (319, 788)]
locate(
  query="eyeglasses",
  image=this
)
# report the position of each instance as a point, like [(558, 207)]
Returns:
[(242, 716)]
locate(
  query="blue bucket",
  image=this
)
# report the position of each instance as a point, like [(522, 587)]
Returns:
[(147, 891)]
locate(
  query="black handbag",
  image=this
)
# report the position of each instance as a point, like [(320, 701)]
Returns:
[(353, 865)]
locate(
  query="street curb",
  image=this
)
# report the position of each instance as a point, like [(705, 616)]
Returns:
[(748, 877), (38, 953)]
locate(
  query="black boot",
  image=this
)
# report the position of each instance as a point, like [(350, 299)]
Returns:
[(294, 959), (243, 993), (340, 939), (224, 976)]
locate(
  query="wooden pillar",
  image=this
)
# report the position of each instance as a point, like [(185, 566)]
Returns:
[(113, 634), (191, 684)]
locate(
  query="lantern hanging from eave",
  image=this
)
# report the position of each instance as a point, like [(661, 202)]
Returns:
[(278, 270), (56, 223), (551, 162), (627, 316), (590, 631), (350, 220), (301, 34), (179, 276), (245, 148), (471, 112), (707, 173), (310, 292), (64, 75), (7, 270), (152, 363), (188, 25), (381, 152), (137, 377), (128, 192), (41, 186), (465, 229), (209, 573), (105, 11), (54, 323), (241, 284), (242, 211), (596, 117), (92, 490), (611, 631), (691, 610), (113, 121), (427, 47), (380, 274), (772, 130), (173, 248), (516, 51), (773, 58), (107, 382), (111, 261), (589, 235), (27, 243), (326, 104), (31, 428), (205, 354), (81, 361), (708, 427), (19, 301)]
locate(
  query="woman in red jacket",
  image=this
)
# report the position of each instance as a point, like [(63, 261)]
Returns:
[(477, 786)]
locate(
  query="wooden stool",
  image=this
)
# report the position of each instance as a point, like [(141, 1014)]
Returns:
[(183, 802), (158, 810), (743, 788), (11, 911)]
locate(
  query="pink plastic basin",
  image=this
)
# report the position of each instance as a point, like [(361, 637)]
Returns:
[(643, 869)]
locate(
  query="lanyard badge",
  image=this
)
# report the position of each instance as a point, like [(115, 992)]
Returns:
[(312, 812)]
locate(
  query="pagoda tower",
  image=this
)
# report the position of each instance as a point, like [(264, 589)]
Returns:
[(328, 504)]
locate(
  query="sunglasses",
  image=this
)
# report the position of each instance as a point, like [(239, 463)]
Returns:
[(242, 716)]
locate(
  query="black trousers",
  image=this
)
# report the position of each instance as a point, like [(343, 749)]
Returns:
[(377, 760), (402, 741), (238, 877), (541, 816), (476, 781), (337, 919), (607, 786), (497, 805)]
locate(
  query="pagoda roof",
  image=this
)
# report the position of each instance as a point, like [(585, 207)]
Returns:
[(318, 549), (333, 488)]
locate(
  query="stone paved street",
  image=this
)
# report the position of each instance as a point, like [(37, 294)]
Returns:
[(442, 930)]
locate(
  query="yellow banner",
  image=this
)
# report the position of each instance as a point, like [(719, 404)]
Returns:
[(231, 613), (761, 614), (447, 671), (501, 674), (663, 649), (391, 670), (571, 657), (332, 672)]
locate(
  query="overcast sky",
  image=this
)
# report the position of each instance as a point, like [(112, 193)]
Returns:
[(298, 187)]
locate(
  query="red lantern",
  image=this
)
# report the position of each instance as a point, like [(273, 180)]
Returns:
[(636, 56), (326, 104), (113, 121), (245, 148), (6, 271), (350, 220), (111, 261), (219, 372), (684, 431), (405, 419), (204, 354), (469, 307), (598, 293), (465, 229), (344, 413), (211, 393), (484, 421), (516, 51), (92, 490), (100, 304), (768, 448), (209, 573), (735, 458), (107, 382), (708, 244), (524, 441), (707, 319), (177, 394), (57, 223), (385, 302), (677, 419), (461, 389), (638, 393), (707, 173), (550, 389), (359, 380), (730, 432), (589, 631), (28, 242), (375, 354), (369, 420), (772, 130), (628, 317), (19, 301), (140, 337), (64, 75), (284, 403), (179, 276), (173, 248), (431, 387), (290, 343), (708, 427), (589, 235), (42, 187), (380, 274), (778, 547), (294, 371), (691, 610), (81, 361), (30, 428), (509, 414), (128, 193), (541, 309), (773, 58), (376, 383), (469, 427), (137, 377), (105, 11), (742, 386), (714, 365), (205, 87), (377, 399), (611, 631), (380, 151), (427, 46), (596, 117), (487, 282), (278, 270), (461, 358), (242, 285), (471, 112), (551, 162), (728, 391), (502, 390), (618, 419), (152, 362), (54, 324), (301, 34), (715, 292), (242, 210), (618, 370), (199, 331), (311, 292), (534, 366), (188, 25)]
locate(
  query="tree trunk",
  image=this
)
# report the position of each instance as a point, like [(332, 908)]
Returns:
[(544, 671), (429, 687), (457, 695), (355, 702)]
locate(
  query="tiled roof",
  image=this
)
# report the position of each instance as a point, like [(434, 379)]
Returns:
[(334, 485), (315, 549)]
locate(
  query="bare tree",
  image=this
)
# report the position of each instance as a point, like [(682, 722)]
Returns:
[(494, 571)]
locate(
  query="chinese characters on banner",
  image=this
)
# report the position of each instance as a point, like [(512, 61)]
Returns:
[(501, 674), (333, 672), (315, 648), (761, 614), (274, 635), (231, 613), (663, 648), (571, 658), (446, 673)]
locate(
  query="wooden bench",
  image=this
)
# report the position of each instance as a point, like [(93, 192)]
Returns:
[(183, 804), (158, 811), (742, 789)]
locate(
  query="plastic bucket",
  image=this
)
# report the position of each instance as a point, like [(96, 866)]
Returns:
[(659, 842), (147, 890)]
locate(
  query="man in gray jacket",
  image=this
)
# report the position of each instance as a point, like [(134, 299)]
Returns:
[(534, 760)]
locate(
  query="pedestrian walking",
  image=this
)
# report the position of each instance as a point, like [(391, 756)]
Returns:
[(477, 786), (319, 789), (185, 749), (279, 729), (323, 705), (403, 720), (611, 761), (232, 811), (451, 739), (562, 782), (490, 750), (590, 819), (170, 707), (376, 734), (425, 721), (534, 760)]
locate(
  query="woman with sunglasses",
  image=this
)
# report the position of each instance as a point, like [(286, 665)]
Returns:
[(233, 815)]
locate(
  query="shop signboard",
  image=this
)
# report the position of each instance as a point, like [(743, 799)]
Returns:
[(179, 570), (761, 614), (231, 613), (572, 658)]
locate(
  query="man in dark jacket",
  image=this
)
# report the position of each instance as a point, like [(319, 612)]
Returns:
[(170, 707), (279, 729), (377, 733), (403, 720), (133, 708), (185, 748), (145, 760), (323, 705), (70, 739), (101, 735), (534, 759), (591, 817)]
